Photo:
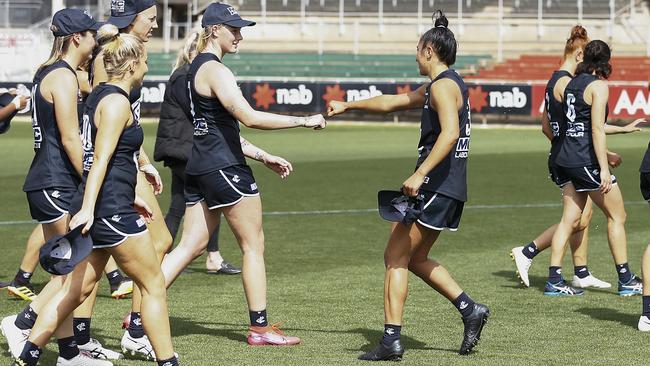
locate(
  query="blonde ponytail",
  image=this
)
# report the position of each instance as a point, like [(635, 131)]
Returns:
[(118, 50)]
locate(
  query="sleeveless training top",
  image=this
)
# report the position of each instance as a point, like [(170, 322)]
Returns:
[(51, 167), (577, 147), (555, 112), (216, 132), (450, 176), (118, 188)]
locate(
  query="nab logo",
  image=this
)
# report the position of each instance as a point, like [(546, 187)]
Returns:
[(302, 95), (354, 94), (508, 99)]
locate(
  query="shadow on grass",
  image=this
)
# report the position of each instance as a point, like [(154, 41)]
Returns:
[(237, 332), (613, 315), (373, 337), (538, 281)]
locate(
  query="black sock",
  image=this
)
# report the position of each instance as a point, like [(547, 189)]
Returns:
[(68, 348), (646, 306), (624, 273), (581, 271), (81, 330), (392, 333), (26, 318), (136, 330), (30, 354), (170, 362), (115, 278), (258, 318), (555, 274), (530, 250), (22, 277), (464, 304)]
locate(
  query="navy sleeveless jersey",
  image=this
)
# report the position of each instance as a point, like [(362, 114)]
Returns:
[(450, 176), (118, 188), (51, 167), (645, 164), (216, 132), (554, 112), (577, 147)]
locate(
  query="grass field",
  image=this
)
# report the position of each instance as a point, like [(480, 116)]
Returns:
[(325, 271)]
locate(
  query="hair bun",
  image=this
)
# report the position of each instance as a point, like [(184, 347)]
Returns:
[(578, 32), (107, 33), (439, 19)]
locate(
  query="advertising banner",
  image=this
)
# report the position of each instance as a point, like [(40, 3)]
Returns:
[(626, 101)]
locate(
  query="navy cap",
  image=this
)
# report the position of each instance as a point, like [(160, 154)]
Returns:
[(123, 12), (70, 20), (220, 13), (62, 253), (5, 100), (395, 206)]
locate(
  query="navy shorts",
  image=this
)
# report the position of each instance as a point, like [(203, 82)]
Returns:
[(440, 212), (584, 179), (645, 186), (112, 231), (556, 177), (50, 205), (221, 188)]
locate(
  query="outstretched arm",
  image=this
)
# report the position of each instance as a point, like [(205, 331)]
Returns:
[(382, 103), (628, 128), (223, 84)]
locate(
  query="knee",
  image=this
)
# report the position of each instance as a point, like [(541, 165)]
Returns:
[(153, 284), (254, 245), (397, 259), (618, 218), (163, 242)]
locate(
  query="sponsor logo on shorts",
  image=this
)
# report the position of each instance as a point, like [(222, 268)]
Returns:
[(254, 186), (140, 222)]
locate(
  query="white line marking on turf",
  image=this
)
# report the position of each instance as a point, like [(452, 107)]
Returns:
[(371, 210)]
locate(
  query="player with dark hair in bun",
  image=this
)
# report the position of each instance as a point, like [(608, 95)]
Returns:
[(551, 117), (582, 165), (439, 183)]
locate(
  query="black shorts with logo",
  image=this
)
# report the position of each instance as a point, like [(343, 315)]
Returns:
[(584, 179), (221, 188), (645, 186), (112, 231), (556, 177), (440, 212), (50, 205)]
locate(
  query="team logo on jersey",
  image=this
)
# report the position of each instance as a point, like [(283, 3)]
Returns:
[(200, 127), (575, 129)]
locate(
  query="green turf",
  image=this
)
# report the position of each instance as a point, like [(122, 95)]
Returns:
[(326, 271)]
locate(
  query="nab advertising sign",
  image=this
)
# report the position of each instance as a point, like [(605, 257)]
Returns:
[(626, 101)]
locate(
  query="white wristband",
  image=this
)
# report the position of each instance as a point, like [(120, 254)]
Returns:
[(16, 102), (149, 169)]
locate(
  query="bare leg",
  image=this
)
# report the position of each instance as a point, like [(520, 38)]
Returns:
[(612, 206), (136, 257), (245, 219), (34, 244), (198, 225), (574, 203)]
